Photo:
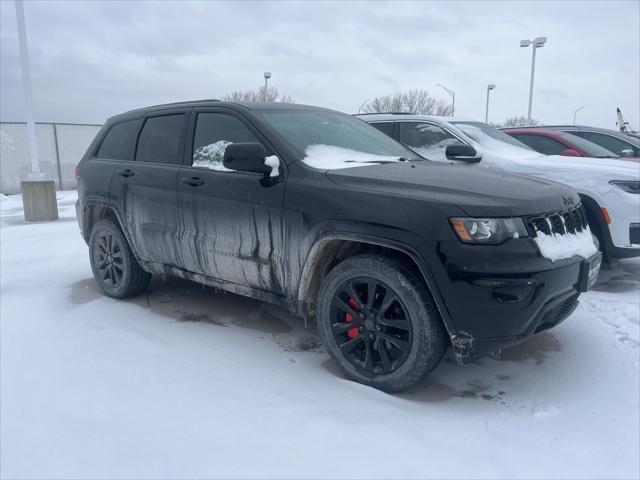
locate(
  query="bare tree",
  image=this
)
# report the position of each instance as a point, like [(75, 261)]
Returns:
[(260, 95), (520, 121), (418, 101)]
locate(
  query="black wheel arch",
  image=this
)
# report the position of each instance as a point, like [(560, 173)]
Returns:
[(598, 225), (331, 249), (96, 211)]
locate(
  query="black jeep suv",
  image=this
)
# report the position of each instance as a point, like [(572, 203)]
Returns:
[(395, 257)]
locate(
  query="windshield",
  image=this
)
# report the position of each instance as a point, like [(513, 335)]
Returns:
[(481, 132), (590, 148), (331, 140)]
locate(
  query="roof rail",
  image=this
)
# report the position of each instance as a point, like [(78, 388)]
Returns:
[(387, 113)]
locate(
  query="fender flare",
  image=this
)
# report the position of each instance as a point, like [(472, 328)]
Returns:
[(320, 243), (90, 204), (593, 207)]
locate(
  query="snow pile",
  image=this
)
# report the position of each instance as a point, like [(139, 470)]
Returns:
[(274, 162), (329, 157), (558, 247), (186, 382), (211, 156)]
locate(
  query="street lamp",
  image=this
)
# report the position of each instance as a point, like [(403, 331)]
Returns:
[(537, 43), (486, 113), (267, 76), (453, 97), (575, 112)]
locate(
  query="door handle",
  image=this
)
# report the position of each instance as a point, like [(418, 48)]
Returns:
[(126, 173), (192, 181)]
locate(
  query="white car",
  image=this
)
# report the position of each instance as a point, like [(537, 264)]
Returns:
[(609, 188)]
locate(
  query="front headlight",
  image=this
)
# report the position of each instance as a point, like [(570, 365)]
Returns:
[(628, 186), (488, 230)]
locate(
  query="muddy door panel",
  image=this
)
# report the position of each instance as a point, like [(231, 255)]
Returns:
[(147, 199), (232, 227)]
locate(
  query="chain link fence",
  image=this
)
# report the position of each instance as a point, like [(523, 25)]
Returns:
[(60, 148)]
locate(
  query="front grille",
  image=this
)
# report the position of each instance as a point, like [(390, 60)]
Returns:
[(634, 233), (573, 220)]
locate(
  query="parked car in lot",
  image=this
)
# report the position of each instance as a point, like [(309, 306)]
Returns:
[(609, 188), (554, 142), (622, 144), (394, 256)]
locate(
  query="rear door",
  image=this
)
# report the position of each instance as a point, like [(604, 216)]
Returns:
[(145, 189), (232, 224)]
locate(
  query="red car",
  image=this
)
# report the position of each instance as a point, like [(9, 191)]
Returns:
[(553, 142)]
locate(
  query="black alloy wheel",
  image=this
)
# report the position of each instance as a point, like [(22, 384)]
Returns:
[(371, 325)]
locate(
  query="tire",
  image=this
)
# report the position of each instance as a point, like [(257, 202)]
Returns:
[(114, 266), (359, 328)]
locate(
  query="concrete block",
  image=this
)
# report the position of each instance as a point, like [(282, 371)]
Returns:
[(39, 200)]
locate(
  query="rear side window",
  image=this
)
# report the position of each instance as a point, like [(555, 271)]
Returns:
[(160, 139), (119, 141), (541, 144), (214, 132), (384, 127)]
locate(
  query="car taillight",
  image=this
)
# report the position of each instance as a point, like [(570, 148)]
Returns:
[(77, 171)]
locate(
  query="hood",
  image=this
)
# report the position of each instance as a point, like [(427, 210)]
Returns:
[(479, 192)]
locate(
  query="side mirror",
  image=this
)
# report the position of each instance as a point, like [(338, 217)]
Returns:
[(463, 153), (570, 152), (627, 152), (246, 157)]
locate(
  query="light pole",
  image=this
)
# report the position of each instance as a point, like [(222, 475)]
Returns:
[(575, 112), (453, 97), (28, 97), (38, 193), (537, 43), (267, 76), (486, 112)]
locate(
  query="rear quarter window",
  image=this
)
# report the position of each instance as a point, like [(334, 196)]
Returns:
[(119, 142)]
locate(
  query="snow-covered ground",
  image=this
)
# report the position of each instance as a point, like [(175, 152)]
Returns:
[(186, 382)]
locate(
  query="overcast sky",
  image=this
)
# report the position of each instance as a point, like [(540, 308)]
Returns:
[(93, 59)]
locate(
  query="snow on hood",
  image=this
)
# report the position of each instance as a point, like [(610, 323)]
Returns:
[(568, 170), (558, 247), (329, 157)]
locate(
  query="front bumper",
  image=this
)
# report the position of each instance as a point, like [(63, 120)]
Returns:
[(498, 295)]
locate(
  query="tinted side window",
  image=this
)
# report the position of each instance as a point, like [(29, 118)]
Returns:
[(160, 139), (213, 133), (119, 141), (426, 139), (612, 144), (384, 127), (545, 145)]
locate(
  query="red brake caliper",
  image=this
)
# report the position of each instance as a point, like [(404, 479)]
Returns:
[(352, 332)]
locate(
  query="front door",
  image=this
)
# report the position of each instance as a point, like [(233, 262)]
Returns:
[(232, 225)]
